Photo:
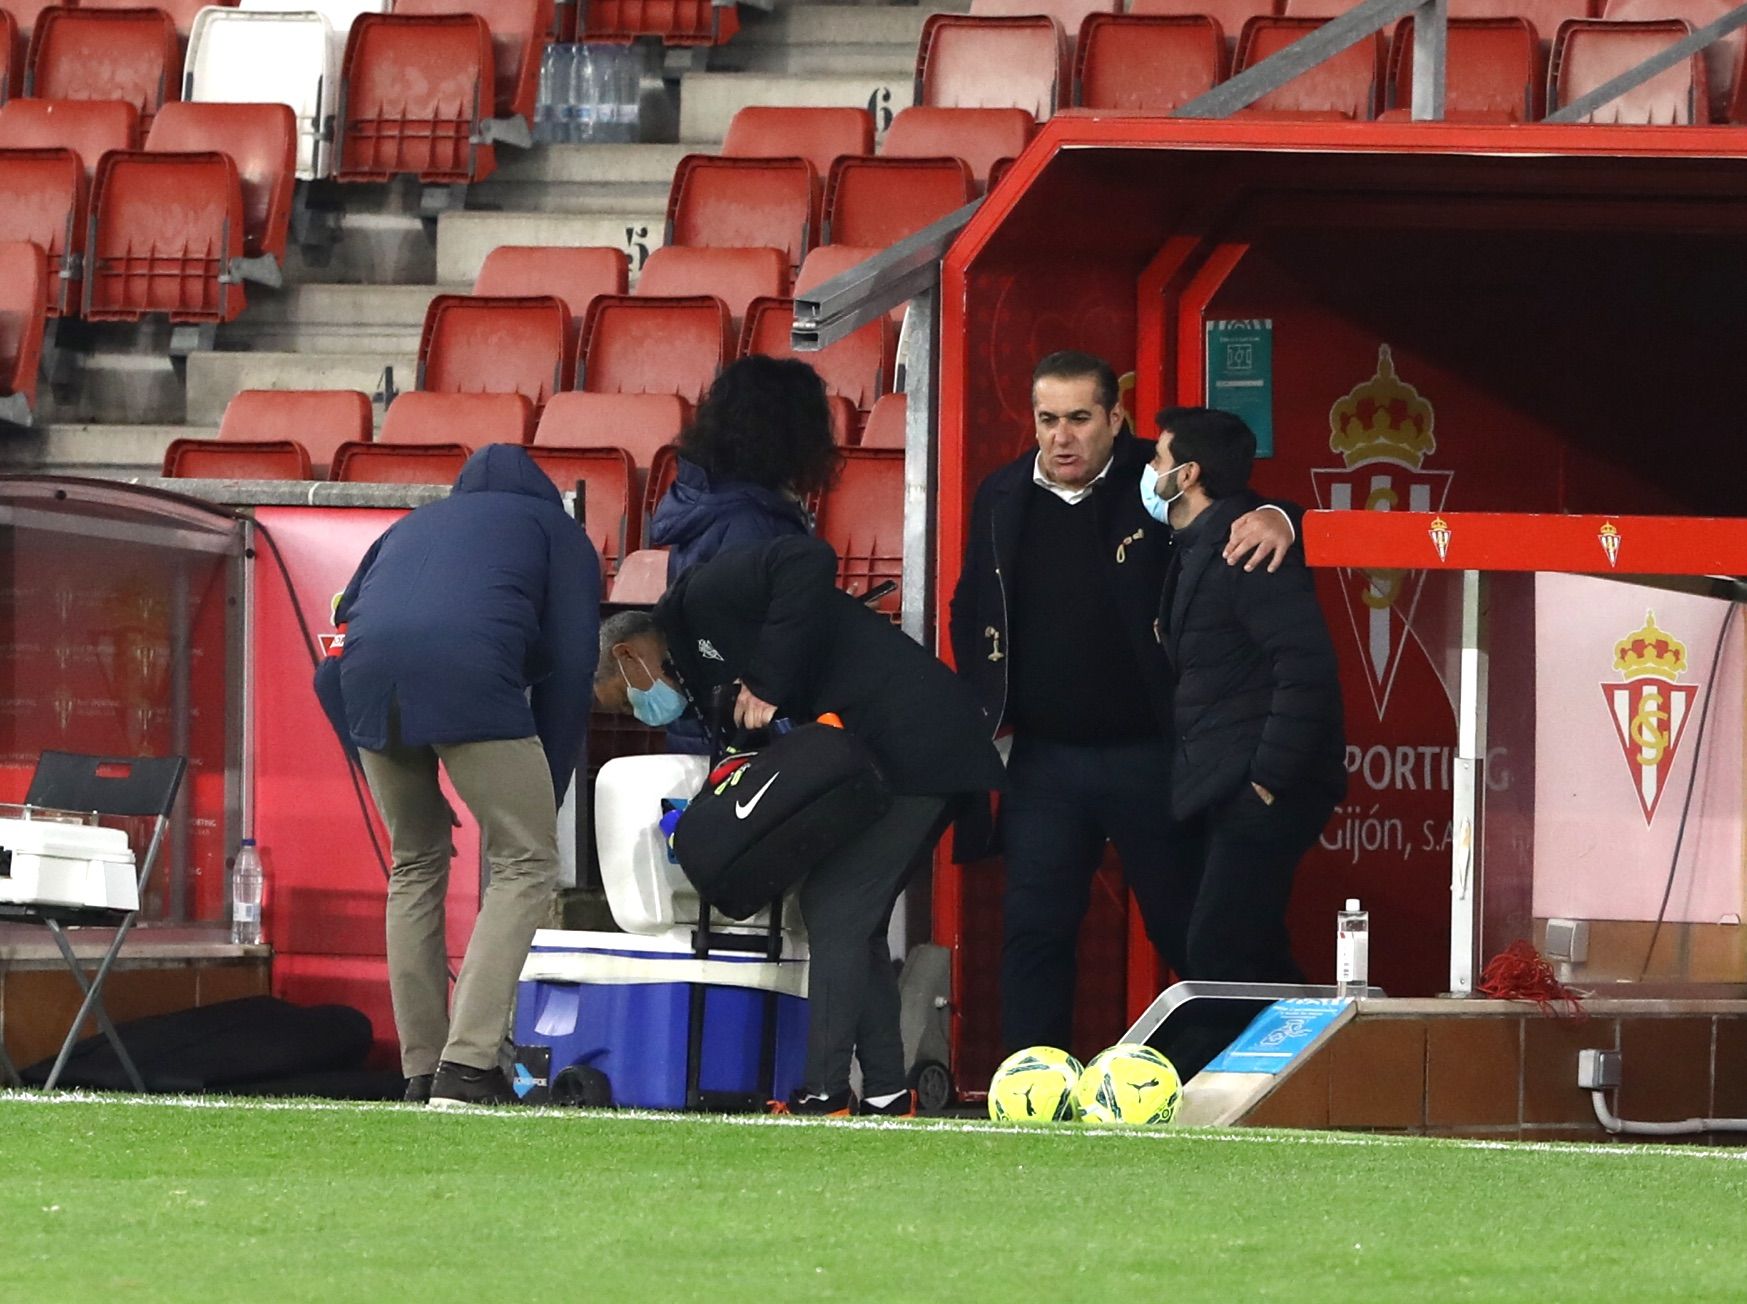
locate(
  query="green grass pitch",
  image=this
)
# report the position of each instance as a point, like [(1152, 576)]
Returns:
[(154, 1200)]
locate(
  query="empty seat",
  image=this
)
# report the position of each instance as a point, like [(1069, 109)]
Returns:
[(641, 424), (518, 35), (874, 202), (992, 63), (1069, 13), (612, 513), (1722, 57), (483, 344), (318, 419), (642, 578), (261, 139), (43, 201), (254, 459), (181, 12), (981, 137), (633, 345), (132, 55), (886, 426), (414, 89), (23, 295), (575, 275), (674, 22), (862, 517), (238, 56), (1492, 71), (1588, 53), (90, 128), (1542, 15), (744, 203), (166, 237), (473, 420), (11, 65), (1231, 15), (1147, 63), (663, 471), (819, 135), (735, 276), (373, 463), (857, 368), (1347, 85)]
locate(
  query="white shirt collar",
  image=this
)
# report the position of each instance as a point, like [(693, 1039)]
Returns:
[(1067, 495)]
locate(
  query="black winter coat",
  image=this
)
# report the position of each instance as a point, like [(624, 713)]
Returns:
[(772, 616), (1258, 695), (699, 517)]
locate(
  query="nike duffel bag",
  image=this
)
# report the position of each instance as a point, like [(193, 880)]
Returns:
[(763, 819)]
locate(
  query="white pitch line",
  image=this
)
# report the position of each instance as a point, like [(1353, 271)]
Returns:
[(1625, 1149)]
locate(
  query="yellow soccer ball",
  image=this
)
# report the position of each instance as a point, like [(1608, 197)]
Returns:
[(1128, 1083), (1035, 1085)]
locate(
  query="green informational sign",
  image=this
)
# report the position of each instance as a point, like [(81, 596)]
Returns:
[(1240, 375)]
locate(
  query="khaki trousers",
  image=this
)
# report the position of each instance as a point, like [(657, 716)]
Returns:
[(508, 787)]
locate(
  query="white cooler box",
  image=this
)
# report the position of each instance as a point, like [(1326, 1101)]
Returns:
[(52, 862)]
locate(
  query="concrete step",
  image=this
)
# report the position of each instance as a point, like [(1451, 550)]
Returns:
[(336, 318), (826, 40), (709, 100), (213, 378), (464, 238), (95, 450), (581, 180)]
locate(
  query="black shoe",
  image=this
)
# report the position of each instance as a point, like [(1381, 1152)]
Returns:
[(904, 1106), (457, 1086), (841, 1105), (418, 1089)]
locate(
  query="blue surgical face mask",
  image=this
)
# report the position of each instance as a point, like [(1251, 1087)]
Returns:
[(1156, 507), (659, 704)]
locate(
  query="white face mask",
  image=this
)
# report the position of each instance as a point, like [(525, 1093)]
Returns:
[(1156, 506)]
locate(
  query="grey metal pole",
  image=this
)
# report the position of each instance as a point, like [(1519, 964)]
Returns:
[(1431, 28)]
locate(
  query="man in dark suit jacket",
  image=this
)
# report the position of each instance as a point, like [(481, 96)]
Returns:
[(771, 618), (1259, 758), (1052, 626)]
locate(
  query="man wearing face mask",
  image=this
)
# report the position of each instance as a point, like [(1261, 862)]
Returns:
[(470, 643), (1052, 625), (771, 619), (1260, 749)]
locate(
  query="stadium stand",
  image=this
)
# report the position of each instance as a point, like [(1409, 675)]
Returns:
[(1722, 60), (488, 344), (641, 424), (637, 345), (240, 56), (181, 12), (378, 463), (735, 276), (261, 140), (981, 137), (574, 275), (518, 35), (413, 93), (471, 420), (87, 127), (1347, 86), (257, 459), (132, 55), (819, 135), (23, 298), (744, 203), (992, 63), (319, 420), (862, 517), (43, 201), (878, 201), (1231, 15), (1492, 71), (856, 368), (1147, 63), (1587, 54), (612, 513), (885, 426), (673, 22)]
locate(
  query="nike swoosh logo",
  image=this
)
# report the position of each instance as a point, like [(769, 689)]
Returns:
[(744, 808)]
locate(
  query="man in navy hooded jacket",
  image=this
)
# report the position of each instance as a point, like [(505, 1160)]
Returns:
[(471, 640)]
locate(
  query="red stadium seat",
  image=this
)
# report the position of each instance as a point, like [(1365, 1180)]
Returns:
[(133, 55), (261, 140), (744, 203), (612, 513), (735, 276), (1492, 71), (518, 35), (642, 578), (1588, 53), (663, 471), (23, 296), (675, 22), (1722, 57), (318, 419), (24, 14), (11, 65), (475, 420), (633, 345), (641, 424), (1231, 15), (856, 368), (1069, 13), (90, 128), (1150, 63), (981, 137), (254, 459), (181, 12), (885, 426), (373, 463), (475, 344), (862, 518), (413, 92), (874, 202), (819, 135), (992, 63), (575, 275), (1346, 86), (166, 234), (42, 200)]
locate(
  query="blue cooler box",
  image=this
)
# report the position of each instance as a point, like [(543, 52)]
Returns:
[(618, 1003)]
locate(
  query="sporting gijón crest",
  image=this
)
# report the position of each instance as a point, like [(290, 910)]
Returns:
[(1383, 431), (1649, 709)]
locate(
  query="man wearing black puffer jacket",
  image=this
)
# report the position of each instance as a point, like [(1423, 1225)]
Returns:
[(1259, 752)]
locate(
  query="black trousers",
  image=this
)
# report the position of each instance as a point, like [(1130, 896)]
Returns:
[(1064, 803), (852, 990)]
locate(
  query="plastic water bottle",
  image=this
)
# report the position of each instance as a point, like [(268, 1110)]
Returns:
[(1352, 950), (247, 883), (630, 94), (584, 106), (547, 106)]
